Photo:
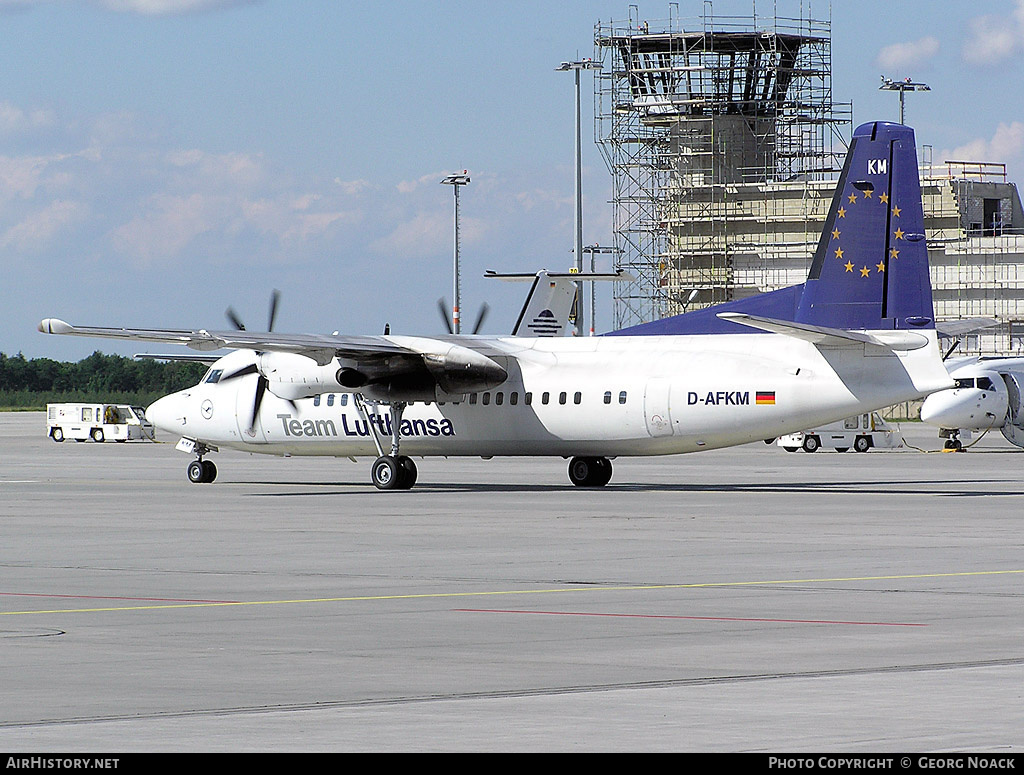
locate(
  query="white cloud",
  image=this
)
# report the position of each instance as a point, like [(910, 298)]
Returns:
[(353, 187), (167, 7), (995, 38), (231, 169), (171, 223), (428, 234), (14, 119), (21, 176), (1006, 145), (914, 53), (431, 178), (37, 230)]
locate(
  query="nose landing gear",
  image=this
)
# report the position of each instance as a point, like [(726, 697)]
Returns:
[(201, 471)]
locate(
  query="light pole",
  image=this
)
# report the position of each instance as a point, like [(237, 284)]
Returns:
[(888, 84), (592, 249), (455, 181), (583, 64)]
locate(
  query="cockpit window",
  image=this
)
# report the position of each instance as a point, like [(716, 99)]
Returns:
[(984, 383), (214, 376), (964, 382)]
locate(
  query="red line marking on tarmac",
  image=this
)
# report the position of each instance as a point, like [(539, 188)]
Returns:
[(113, 597), (695, 618)]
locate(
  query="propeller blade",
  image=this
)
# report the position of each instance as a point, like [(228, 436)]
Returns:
[(274, 298), (235, 320), (442, 305), (261, 388), (242, 372), (481, 317)]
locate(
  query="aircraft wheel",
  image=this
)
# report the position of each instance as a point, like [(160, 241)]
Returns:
[(209, 471), (811, 444), (953, 444), (862, 444), (196, 472), (590, 471), (387, 473), (842, 449), (57, 435), (604, 471), (97, 434), (408, 470)]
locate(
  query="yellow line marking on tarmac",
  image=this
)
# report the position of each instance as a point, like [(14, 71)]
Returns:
[(507, 592)]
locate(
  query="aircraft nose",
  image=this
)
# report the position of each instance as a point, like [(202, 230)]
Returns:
[(168, 413), (947, 410)]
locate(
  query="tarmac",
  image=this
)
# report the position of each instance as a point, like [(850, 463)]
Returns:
[(737, 600)]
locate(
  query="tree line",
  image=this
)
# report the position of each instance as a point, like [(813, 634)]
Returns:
[(31, 383)]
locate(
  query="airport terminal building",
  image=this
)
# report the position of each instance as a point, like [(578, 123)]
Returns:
[(724, 143)]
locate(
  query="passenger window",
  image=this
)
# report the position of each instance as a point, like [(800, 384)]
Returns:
[(545, 397), (561, 398), (513, 398), (622, 397), (344, 399), (472, 398), (608, 396), (330, 400), (316, 400), (578, 398), (499, 398), (486, 399), (528, 399)]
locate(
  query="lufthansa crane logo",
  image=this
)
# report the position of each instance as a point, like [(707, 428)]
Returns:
[(207, 409)]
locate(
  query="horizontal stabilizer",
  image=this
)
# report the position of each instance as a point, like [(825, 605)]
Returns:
[(951, 329), (830, 337), (549, 305), (177, 358)]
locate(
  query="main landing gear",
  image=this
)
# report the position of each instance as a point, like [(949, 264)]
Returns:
[(391, 472), (590, 471), (395, 471)]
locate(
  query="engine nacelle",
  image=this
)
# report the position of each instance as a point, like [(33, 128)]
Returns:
[(460, 370), (291, 376), (445, 372)]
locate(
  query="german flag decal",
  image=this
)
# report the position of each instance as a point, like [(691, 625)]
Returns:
[(765, 397)]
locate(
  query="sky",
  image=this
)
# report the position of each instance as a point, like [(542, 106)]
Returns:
[(162, 160)]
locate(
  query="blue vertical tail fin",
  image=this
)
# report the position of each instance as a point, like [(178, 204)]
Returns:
[(870, 270)]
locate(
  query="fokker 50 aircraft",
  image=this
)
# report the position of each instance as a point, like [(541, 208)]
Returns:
[(987, 394), (857, 336)]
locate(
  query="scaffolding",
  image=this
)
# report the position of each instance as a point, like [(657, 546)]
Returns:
[(718, 133)]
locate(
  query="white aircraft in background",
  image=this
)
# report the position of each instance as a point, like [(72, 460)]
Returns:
[(986, 395), (857, 336)]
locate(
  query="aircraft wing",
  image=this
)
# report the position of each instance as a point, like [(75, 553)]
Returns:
[(322, 348), (455, 364)]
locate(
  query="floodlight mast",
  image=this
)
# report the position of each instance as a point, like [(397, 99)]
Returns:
[(888, 84), (455, 181), (583, 64)]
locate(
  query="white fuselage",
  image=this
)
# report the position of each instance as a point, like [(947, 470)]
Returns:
[(609, 396)]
